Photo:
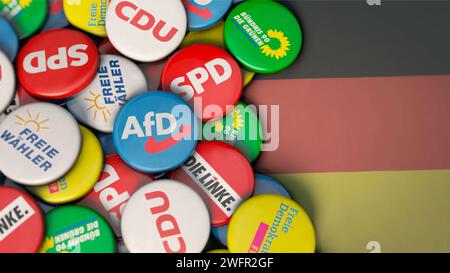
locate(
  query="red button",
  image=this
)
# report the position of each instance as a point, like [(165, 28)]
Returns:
[(112, 191), (57, 64), (207, 72), (21, 222), (221, 175)]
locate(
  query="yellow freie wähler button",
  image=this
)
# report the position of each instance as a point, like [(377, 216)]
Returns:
[(80, 179), (88, 15), (214, 36), (270, 223)]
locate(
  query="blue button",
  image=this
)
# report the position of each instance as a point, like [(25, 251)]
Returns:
[(155, 132), (107, 142), (56, 18), (9, 43), (263, 185), (203, 14)]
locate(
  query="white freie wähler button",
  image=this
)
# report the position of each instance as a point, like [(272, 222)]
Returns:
[(7, 81), (146, 30), (39, 143), (165, 216), (118, 80)]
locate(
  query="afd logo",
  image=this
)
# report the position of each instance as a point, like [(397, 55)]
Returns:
[(164, 124), (199, 7)]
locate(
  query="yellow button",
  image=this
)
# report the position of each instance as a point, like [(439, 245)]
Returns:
[(88, 15), (214, 36), (270, 223), (219, 251), (80, 179)]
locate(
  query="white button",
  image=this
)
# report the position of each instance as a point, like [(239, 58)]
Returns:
[(7, 81), (165, 216), (39, 143), (118, 80), (146, 30)]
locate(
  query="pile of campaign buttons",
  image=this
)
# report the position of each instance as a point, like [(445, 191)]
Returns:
[(103, 145)]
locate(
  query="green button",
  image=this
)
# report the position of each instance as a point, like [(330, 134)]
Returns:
[(263, 35), (240, 128), (77, 229), (27, 16)]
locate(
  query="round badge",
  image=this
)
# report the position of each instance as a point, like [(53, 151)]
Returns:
[(118, 80), (77, 229), (240, 128), (80, 179), (57, 64), (7, 82), (221, 175), (112, 191), (214, 36), (218, 251), (146, 30), (41, 138), (205, 76), (27, 16), (263, 185), (263, 35), (56, 18), (9, 43), (270, 223), (165, 216), (22, 223), (87, 15), (155, 132), (204, 14)]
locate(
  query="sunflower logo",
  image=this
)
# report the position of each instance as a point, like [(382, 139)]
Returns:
[(93, 100), (283, 47), (238, 120), (22, 3), (47, 244), (35, 121)]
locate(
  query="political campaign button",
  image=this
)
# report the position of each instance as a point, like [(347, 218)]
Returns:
[(218, 251), (41, 138), (77, 229), (7, 81), (107, 142), (270, 223), (214, 36), (56, 17), (165, 216), (21, 97), (240, 128), (205, 76), (155, 132), (204, 14), (221, 175), (27, 16), (110, 194), (263, 185), (80, 179), (263, 35), (146, 30), (57, 64), (118, 80), (87, 15), (22, 223), (9, 43)]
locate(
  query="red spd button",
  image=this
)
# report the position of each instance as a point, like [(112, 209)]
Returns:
[(57, 64), (221, 175), (115, 186), (21, 222), (205, 76)]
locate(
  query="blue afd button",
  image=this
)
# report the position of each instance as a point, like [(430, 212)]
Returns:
[(155, 132), (56, 18), (9, 43), (203, 14)]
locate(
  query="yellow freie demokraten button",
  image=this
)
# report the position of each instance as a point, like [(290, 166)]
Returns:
[(87, 15), (270, 223), (80, 179)]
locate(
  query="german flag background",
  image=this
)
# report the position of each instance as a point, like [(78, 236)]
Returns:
[(365, 124)]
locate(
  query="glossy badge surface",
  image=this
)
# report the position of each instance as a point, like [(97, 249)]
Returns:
[(203, 14), (27, 16), (87, 15), (56, 18), (41, 138), (9, 43), (155, 132), (7, 82)]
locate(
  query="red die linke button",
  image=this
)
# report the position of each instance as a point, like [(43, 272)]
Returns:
[(115, 186), (205, 76), (221, 175), (57, 64), (21, 222)]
